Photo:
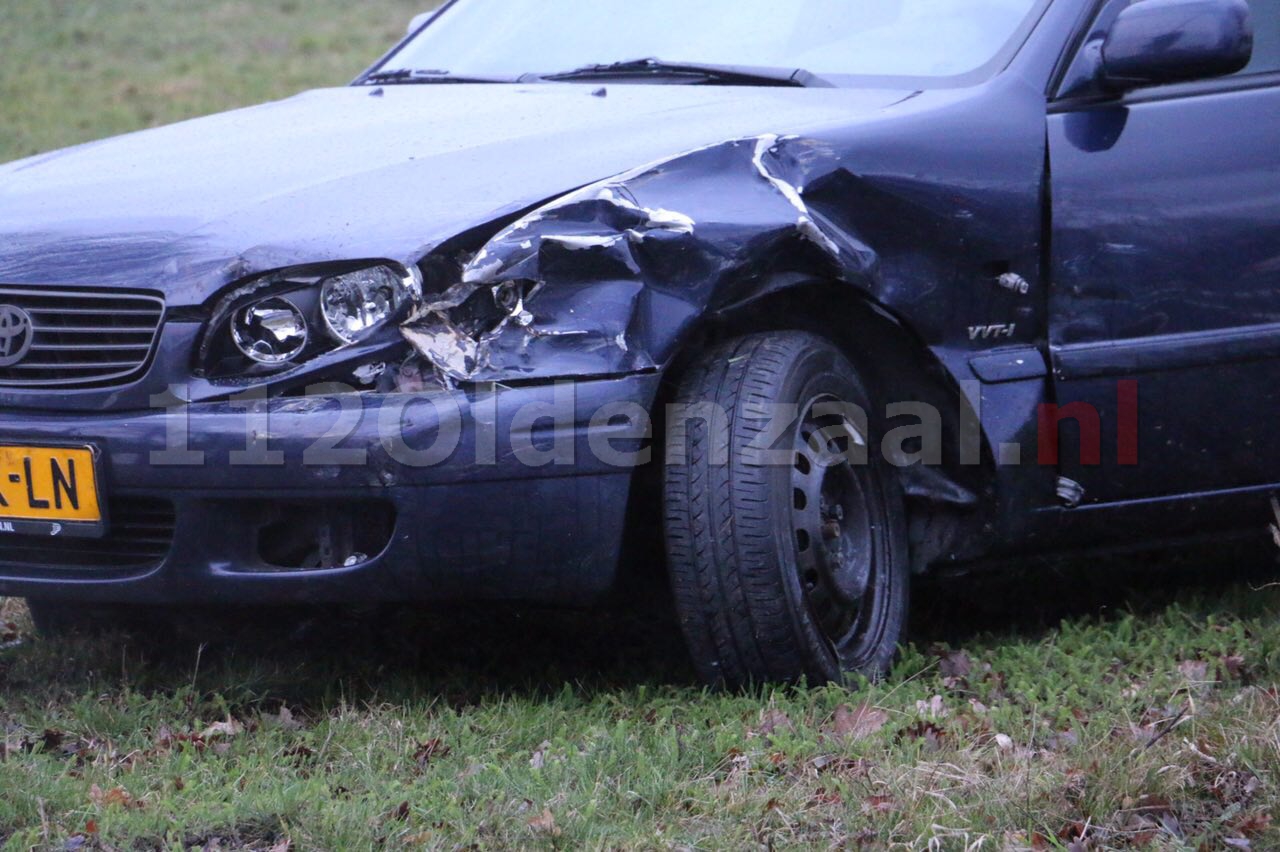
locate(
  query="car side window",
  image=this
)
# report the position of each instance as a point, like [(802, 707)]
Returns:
[(1266, 37)]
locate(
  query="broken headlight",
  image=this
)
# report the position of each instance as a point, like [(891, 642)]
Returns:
[(270, 332), (286, 318), (357, 304)]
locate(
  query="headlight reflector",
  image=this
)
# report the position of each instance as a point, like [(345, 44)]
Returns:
[(357, 304), (273, 331)]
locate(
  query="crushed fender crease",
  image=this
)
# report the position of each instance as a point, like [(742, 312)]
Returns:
[(602, 280)]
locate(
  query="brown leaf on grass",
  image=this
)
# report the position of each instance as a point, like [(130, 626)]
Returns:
[(283, 845), (859, 722), (1075, 836), (771, 721), (116, 797), (545, 824), (1142, 831), (230, 728), (1253, 825), (1233, 666), (1195, 671), (955, 664), (400, 813), (165, 739), (848, 766), (933, 736), (1152, 805), (934, 708), (286, 720), (429, 751), (822, 797), (879, 804), (1061, 740), (422, 838)]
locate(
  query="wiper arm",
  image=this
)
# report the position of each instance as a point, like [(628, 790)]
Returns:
[(724, 75), (418, 76)]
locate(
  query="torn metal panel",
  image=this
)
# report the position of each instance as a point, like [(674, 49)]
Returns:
[(594, 267)]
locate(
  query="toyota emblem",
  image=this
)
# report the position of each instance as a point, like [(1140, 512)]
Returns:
[(16, 333)]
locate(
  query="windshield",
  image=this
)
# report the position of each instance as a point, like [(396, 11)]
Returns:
[(832, 38)]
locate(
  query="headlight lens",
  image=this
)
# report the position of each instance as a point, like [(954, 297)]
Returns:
[(280, 320), (359, 303), (270, 332)]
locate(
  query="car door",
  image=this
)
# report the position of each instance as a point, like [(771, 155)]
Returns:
[(1165, 279)]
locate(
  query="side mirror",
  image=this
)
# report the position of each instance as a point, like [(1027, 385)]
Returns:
[(418, 21), (1172, 41)]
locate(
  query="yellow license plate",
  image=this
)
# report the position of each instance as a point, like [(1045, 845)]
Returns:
[(44, 488)]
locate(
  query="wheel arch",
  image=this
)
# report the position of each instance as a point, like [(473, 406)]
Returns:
[(949, 506)]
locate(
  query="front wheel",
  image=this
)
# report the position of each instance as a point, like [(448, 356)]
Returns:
[(790, 563)]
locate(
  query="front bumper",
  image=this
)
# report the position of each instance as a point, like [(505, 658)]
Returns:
[(524, 508)]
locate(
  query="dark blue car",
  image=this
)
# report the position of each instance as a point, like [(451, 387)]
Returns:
[(793, 299)]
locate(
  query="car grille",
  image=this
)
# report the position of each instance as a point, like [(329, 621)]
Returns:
[(140, 536), (82, 338)]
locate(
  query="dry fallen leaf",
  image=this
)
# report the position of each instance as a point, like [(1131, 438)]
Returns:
[(824, 797), (545, 824), (1233, 664), (934, 708), (539, 758), (859, 722), (771, 720), (429, 751), (115, 797), (955, 664), (879, 804), (1252, 825), (932, 735), (1196, 671), (285, 719), (229, 728)]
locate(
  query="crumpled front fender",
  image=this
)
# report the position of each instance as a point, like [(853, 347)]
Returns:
[(608, 279)]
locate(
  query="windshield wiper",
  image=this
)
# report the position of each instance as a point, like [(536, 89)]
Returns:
[(418, 76), (722, 75)]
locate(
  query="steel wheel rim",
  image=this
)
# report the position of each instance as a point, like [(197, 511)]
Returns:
[(832, 524)]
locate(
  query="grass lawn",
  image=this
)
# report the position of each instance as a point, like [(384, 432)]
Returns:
[(1093, 708), (73, 71), (1126, 716)]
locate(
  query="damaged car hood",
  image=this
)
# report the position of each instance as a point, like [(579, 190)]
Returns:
[(356, 173)]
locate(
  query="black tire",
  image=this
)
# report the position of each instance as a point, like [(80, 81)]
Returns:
[(758, 597)]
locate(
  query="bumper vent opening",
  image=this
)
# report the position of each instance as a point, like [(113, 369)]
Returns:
[(316, 536), (140, 536)]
